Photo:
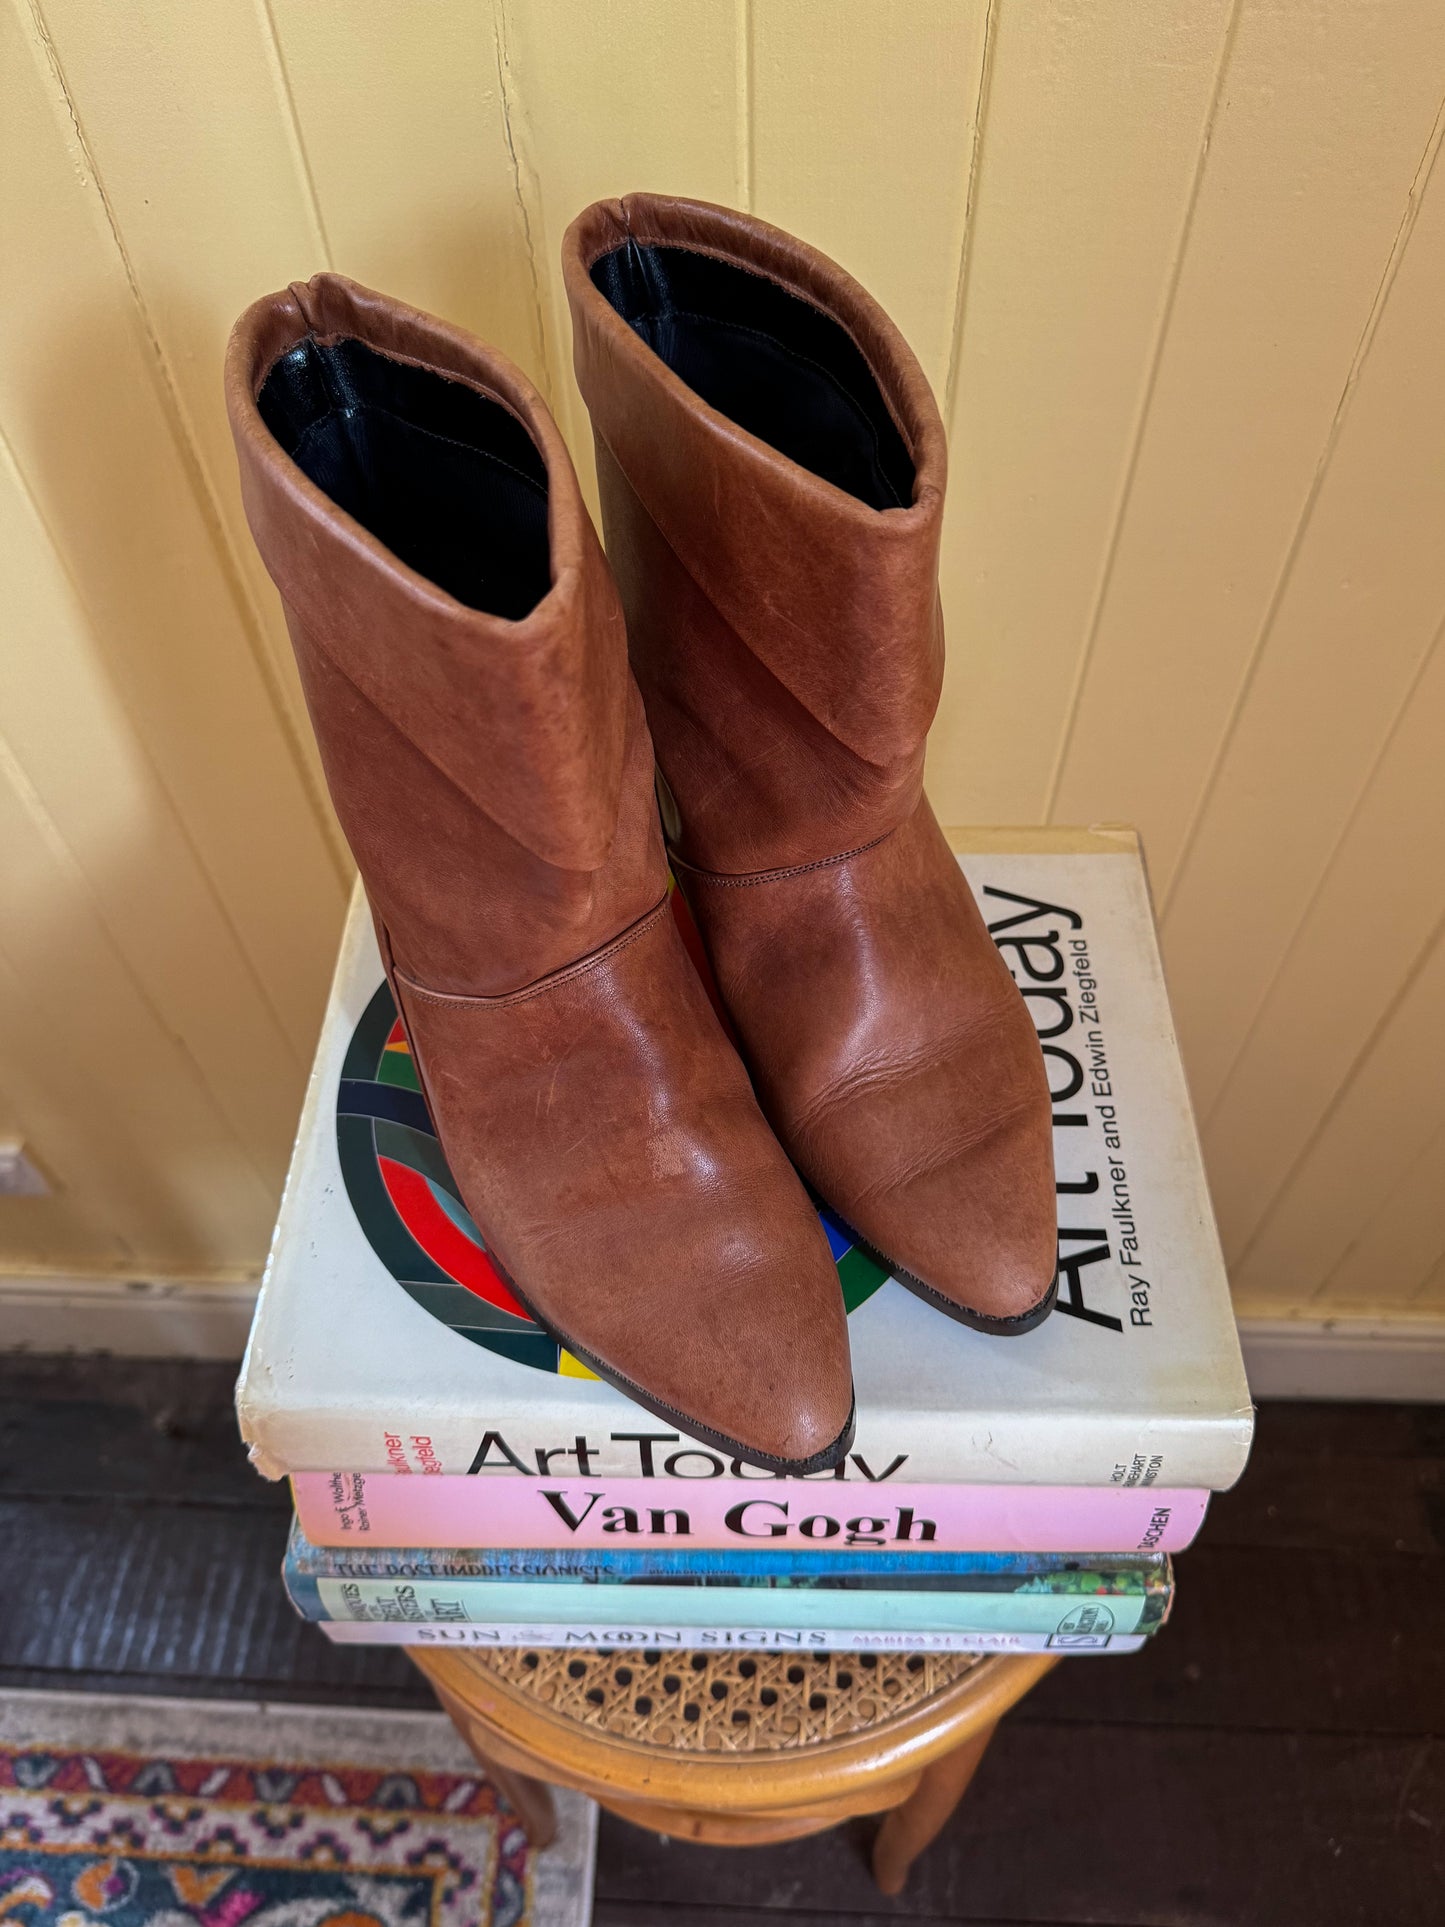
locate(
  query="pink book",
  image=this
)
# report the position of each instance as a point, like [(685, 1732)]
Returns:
[(395, 1509)]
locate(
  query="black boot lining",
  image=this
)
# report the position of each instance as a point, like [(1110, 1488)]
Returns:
[(448, 479), (771, 362)]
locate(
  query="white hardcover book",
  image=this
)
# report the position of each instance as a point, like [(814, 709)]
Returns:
[(385, 1341)]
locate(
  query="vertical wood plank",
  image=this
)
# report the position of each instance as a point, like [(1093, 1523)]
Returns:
[(891, 210), (121, 1114), (1088, 148), (1323, 120), (1430, 1299), (121, 861), (1392, 1106), (1345, 654), (65, 1231), (401, 117), (83, 405), (187, 126), (1369, 924), (611, 99), (1389, 1261)]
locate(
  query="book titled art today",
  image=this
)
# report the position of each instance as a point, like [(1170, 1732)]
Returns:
[(385, 1341)]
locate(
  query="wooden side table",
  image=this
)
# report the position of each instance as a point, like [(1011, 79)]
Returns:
[(736, 1748)]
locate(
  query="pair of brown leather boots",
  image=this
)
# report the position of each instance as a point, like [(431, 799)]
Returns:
[(489, 707)]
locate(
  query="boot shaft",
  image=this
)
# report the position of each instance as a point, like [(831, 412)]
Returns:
[(457, 631), (771, 465)]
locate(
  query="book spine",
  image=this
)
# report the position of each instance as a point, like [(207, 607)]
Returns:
[(617, 1565), (996, 1446), (485, 1602), (948, 1572), (349, 1508), (776, 1639)]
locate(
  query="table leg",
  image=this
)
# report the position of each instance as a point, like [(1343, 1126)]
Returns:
[(909, 1828), (530, 1800)]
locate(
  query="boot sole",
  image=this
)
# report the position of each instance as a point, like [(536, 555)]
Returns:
[(978, 1321), (827, 1460)]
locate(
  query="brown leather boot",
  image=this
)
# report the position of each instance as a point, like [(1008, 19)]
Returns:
[(465, 664), (772, 465)]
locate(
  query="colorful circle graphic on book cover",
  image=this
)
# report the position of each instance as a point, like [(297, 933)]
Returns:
[(408, 1204)]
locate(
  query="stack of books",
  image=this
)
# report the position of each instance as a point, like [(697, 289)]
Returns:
[(461, 1479)]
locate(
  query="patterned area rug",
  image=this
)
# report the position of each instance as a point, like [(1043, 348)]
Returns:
[(197, 1813)]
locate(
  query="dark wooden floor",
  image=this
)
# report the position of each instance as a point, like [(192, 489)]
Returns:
[(1275, 1758)]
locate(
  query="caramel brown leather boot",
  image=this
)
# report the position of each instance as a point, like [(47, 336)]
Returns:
[(772, 463), (465, 664)]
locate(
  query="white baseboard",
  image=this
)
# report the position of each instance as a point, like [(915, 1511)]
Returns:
[(131, 1318), (1400, 1359), (1333, 1358)]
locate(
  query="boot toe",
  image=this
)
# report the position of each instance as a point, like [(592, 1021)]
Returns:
[(968, 1214), (748, 1345)]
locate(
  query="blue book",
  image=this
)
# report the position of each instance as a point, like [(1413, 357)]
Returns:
[(758, 1569)]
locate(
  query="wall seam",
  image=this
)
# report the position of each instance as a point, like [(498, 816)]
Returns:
[(743, 62), (1433, 1156), (1360, 356), (965, 246), (1429, 1284), (522, 180), (77, 1205), (22, 482), (178, 426), (1392, 731), (1136, 445), (1422, 961), (195, 471), (13, 773), (300, 153)]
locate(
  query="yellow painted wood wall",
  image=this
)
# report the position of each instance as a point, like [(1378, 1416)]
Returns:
[(1177, 271)]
